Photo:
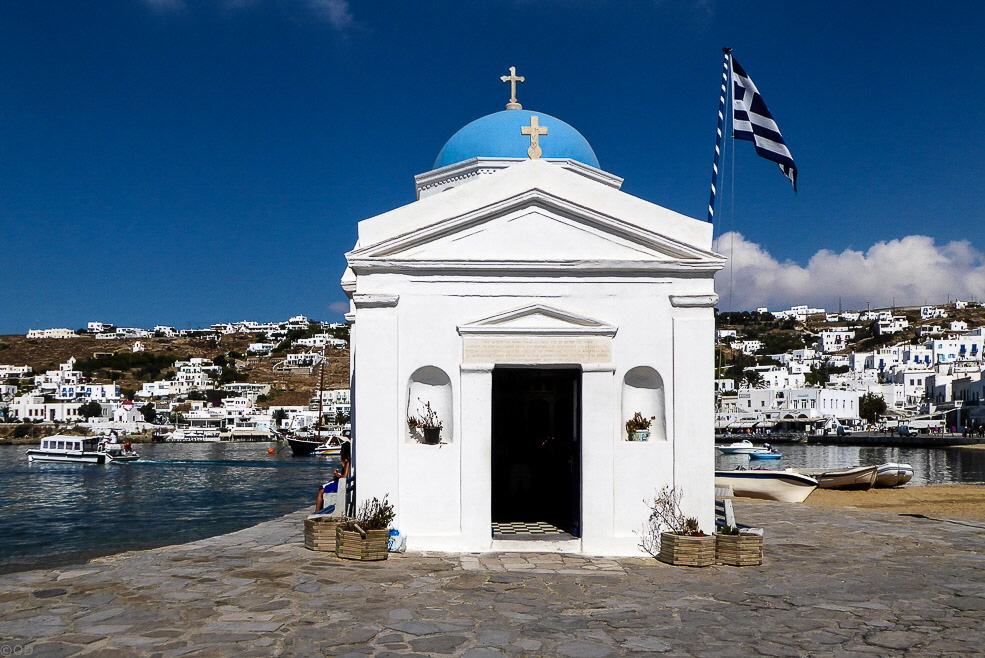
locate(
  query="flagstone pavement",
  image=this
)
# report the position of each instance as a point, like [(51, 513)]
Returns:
[(834, 583)]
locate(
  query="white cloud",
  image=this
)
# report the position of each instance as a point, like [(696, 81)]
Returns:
[(164, 5), (339, 307), (336, 12), (911, 270)]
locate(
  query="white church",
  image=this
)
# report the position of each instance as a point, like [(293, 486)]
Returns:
[(531, 308)]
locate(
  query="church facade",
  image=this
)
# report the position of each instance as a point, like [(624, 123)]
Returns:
[(530, 308)]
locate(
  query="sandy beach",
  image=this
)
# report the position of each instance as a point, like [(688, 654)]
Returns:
[(956, 501)]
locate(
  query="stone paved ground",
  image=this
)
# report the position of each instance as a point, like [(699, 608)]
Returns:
[(835, 582)]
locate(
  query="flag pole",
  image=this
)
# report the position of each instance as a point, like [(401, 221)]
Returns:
[(726, 71), (725, 88)]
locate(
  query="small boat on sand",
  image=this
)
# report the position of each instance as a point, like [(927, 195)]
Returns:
[(858, 478), (743, 447), (784, 486), (893, 475)]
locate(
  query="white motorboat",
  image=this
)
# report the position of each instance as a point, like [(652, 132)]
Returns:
[(332, 446), (68, 449), (783, 486), (189, 435), (119, 452), (743, 447), (893, 475)]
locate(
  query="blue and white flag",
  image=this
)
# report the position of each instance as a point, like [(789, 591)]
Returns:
[(752, 121)]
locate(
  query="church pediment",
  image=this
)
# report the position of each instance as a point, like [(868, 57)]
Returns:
[(538, 319), (535, 230)]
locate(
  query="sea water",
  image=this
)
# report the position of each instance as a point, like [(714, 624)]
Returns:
[(54, 514), (930, 465)]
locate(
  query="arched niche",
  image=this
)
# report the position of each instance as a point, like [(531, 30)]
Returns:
[(643, 392), (430, 385)]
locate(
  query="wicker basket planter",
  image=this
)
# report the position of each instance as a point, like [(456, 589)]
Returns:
[(739, 550), (687, 550), (350, 545), (319, 534)]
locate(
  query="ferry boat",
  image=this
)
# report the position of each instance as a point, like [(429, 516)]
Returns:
[(71, 449)]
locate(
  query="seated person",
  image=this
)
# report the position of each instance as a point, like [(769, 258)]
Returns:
[(345, 457)]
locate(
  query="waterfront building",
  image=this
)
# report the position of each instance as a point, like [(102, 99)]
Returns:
[(802, 403), (533, 308)]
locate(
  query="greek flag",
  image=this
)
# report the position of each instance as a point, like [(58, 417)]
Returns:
[(752, 121)]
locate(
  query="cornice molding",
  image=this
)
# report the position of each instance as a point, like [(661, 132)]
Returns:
[(376, 300), (693, 301)]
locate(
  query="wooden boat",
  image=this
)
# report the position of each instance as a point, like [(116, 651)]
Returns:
[(743, 447), (893, 475), (302, 447), (859, 478), (784, 486), (67, 449)]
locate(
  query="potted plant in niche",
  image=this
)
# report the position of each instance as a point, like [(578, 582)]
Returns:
[(429, 424), (638, 427), (366, 536), (674, 538)]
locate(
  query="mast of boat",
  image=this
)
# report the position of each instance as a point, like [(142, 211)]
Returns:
[(321, 389)]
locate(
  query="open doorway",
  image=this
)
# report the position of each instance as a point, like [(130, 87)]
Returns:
[(536, 452)]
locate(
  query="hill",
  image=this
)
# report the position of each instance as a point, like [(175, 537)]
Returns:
[(287, 389)]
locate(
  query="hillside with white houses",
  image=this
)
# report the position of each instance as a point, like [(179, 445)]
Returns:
[(806, 369), (139, 380)]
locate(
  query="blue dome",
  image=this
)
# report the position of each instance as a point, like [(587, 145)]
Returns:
[(498, 135)]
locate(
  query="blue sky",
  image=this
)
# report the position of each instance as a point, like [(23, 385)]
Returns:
[(185, 162)]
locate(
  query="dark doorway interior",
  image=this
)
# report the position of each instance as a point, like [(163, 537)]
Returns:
[(536, 447)]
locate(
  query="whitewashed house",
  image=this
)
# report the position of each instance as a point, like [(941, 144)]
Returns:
[(834, 340), (932, 312), (534, 308), (51, 333)]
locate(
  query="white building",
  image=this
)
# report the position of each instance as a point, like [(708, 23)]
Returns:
[(51, 333), (535, 308), (834, 340), (10, 372), (160, 388), (958, 325), (748, 347), (892, 325), (165, 331), (261, 348), (297, 323), (802, 403), (932, 312), (34, 407)]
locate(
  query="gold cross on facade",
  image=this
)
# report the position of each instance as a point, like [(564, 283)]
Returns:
[(535, 130), (512, 78)]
